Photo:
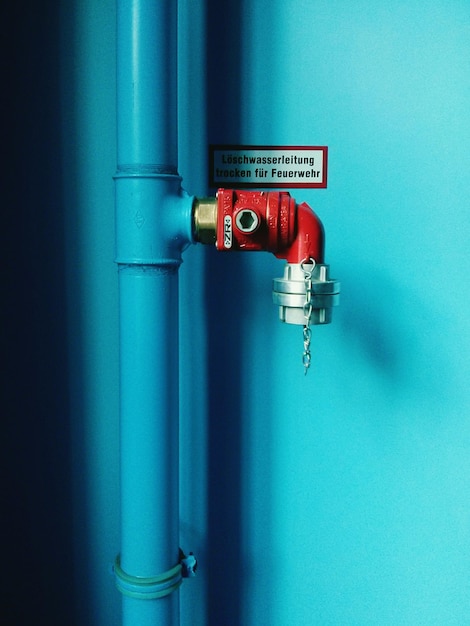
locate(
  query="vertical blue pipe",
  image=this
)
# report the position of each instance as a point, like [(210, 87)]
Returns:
[(153, 225)]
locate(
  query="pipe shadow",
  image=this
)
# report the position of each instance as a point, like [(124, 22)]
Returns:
[(224, 278)]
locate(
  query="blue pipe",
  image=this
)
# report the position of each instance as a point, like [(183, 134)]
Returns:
[(153, 226)]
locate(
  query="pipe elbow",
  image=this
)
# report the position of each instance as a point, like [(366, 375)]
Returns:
[(309, 240)]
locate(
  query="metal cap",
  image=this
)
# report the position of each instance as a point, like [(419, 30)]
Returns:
[(290, 294)]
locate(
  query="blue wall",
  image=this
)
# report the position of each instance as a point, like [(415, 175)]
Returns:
[(340, 498), (337, 498)]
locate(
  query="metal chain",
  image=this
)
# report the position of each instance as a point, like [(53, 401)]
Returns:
[(308, 309)]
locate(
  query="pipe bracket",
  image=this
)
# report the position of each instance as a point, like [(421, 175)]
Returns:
[(147, 588)]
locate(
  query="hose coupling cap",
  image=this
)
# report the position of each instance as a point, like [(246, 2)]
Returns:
[(290, 294)]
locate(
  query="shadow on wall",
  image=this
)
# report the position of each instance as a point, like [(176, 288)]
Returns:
[(223, 280), (385, 323), (36, 521)]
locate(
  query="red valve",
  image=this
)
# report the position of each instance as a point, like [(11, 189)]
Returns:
[(254, 220), (259, 220)]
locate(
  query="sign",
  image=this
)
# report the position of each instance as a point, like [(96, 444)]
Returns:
[(268, 166)]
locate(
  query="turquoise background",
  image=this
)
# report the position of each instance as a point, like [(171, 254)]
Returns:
[(340, 498)]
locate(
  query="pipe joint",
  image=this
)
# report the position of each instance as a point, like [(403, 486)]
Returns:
[(205, 220), (153, 217)]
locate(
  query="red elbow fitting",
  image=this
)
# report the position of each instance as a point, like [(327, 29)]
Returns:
[(259, 220), (309, 242)]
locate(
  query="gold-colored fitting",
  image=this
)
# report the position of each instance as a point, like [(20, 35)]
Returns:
[(205, 219)]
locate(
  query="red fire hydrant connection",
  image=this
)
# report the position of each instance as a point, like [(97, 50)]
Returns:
[(272, 221)]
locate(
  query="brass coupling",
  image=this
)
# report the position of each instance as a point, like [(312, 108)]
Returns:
[(205, 220)]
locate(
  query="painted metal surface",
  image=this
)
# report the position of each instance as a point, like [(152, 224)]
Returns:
[(153, 225), (149, 434)]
